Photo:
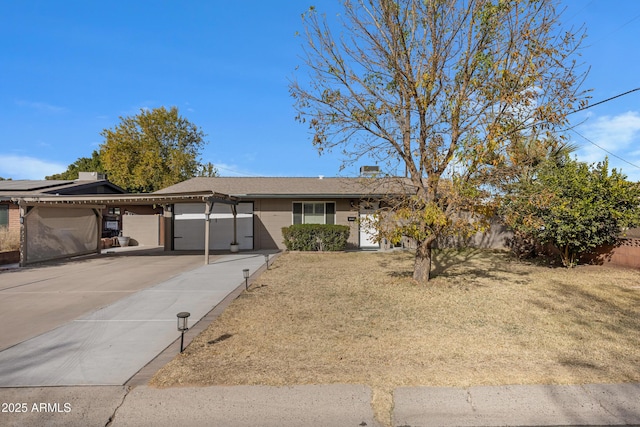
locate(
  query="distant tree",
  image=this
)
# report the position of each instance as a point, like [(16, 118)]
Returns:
[(152, 150), (208, 170), (5, 179), (441, 89), (83, 164), (574, 206)]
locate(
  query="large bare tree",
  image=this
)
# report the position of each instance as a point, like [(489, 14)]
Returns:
[(442, 90)]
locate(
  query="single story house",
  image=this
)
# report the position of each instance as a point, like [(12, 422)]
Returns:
[(200, 214), (267, 204)]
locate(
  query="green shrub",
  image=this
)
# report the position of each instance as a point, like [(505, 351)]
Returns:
[(315, 237)]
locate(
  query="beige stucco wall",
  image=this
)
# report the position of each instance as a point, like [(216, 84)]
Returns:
[(343, 212), (271, 215), (143, 230)]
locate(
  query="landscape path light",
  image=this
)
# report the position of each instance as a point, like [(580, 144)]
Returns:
[(245, 273), (266, 260), (183, 318)]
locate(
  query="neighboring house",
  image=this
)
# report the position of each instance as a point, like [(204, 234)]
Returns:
[(87, 183), (266, 205)]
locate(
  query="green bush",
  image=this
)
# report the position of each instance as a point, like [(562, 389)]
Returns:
[(315, 237)]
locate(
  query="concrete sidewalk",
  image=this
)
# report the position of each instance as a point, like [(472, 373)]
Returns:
[(321, 405), (519, 405)]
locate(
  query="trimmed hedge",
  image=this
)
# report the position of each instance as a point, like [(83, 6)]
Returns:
[(316, 237)]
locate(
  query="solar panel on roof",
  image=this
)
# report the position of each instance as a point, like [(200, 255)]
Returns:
[(28, 185)]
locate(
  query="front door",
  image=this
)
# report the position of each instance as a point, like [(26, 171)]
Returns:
[(367, 232)]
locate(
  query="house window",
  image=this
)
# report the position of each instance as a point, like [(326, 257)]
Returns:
[(4, 215), (314, 212)]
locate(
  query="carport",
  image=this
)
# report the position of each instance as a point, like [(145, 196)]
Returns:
[(58, 227)]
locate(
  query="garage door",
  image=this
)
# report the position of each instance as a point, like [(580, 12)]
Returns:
[(189, 226)]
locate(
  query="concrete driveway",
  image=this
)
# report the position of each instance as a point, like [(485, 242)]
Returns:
[(110, 338), (37, 299)]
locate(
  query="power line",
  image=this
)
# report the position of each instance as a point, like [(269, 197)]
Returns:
[(606, 100), (593, 143), (615, 30), (236, 172), (603, 149)]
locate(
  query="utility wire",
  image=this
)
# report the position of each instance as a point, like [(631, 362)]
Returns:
[(236, 172), (615, 30), (606, 100), (593, 143), (603, 149)]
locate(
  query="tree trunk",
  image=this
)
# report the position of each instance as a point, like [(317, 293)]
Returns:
[(422, 265)]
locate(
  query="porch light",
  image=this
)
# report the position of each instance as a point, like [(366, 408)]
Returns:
[(183, 318), (245, 273)]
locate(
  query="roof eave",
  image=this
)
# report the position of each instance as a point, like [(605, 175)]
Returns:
[(312, 195), (127, 199)]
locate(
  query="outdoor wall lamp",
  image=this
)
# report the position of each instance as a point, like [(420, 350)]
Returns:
[(183, 317), (266, 260), (245, 273)]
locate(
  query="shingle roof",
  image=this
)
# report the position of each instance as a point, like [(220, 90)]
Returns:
[(290, 186)]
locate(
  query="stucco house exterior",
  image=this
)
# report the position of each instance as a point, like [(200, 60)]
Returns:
[(266, 204), (200, 214)]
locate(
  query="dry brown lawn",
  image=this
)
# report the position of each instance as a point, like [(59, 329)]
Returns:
[(9, 239), (485, 319)]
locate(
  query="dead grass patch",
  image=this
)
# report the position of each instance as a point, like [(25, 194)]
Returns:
[(485, 319), (9, 239)]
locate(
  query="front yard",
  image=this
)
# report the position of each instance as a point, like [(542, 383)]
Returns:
[(485, 319)]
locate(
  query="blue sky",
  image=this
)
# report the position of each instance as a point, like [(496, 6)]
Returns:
[(70, 69)]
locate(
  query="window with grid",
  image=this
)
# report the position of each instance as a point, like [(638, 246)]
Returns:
[(314, 212)]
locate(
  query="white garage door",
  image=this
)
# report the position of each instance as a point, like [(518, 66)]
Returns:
[(189, 226)]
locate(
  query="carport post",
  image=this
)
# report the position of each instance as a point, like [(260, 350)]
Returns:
[(23, 233), (234, 211), (207, 227), (98, 213)]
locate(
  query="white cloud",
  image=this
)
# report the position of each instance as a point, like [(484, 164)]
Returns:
[(612, 133), (618, 135), (24, 167), (42, 106), (225, 169)]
